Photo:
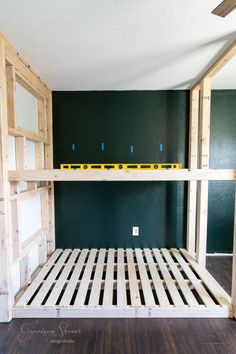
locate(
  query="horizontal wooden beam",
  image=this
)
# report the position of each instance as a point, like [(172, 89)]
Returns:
[(124, 175), (29, 135), (29, 193), (228, 54)]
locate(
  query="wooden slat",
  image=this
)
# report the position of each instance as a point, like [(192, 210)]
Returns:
[(62, 278), (97, 281), (38, 280), (121, 286), (157, 282), (71, 286), (145, 282), (109, 279), (207, 300), (180, 279), (170, 284), (48, 282), (219, 293), (133, 282), (85, 281), (51, 288)]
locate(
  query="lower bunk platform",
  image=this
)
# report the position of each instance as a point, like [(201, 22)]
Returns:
[(125, 283)]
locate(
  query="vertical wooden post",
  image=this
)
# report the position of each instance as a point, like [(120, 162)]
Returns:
[(202, 208), (25, 272), (193, 163), (6, 289), (43, 250), (11, 96), (49, 164), (234, 262), (42, 118)]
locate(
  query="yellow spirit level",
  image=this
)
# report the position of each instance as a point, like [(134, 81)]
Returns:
[(122, 166)]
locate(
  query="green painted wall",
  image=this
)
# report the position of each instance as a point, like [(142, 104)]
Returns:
[(222, 155), (102, 214)]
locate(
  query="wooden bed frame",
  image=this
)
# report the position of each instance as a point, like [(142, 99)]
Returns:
[(14, 69)]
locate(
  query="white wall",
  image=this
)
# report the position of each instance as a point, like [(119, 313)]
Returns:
[(30, 155), (26, 109), (30, 217), (34, 259), (11, 154)]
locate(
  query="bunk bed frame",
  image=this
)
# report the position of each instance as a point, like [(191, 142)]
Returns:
[(113, 282)]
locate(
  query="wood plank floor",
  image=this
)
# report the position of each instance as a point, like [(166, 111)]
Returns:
[(123, 283), (122, 336)]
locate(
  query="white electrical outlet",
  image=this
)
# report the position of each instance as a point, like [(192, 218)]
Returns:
[(135, 231)]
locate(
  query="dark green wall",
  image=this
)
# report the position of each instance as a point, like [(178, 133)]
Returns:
[(222, 155), (102, 214)]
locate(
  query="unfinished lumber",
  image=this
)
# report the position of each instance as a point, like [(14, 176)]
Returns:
[(119, 175), (193, 163), (11, 99), (149, 283), (6, 258), (202, 211), (223, 59)]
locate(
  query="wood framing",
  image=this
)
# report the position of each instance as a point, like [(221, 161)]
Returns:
[(228, 54), (13, 250), (204, 86), (193, 163), (124, 175), (126, 283), (174, 265), (204, 147), (6, 264)]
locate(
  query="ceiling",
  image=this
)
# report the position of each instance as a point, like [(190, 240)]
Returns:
[(120, 44)]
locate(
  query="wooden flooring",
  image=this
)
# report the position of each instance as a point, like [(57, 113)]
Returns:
[(123, 283), (122, 336)]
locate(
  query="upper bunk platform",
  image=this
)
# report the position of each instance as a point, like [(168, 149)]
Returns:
[(123, 175)]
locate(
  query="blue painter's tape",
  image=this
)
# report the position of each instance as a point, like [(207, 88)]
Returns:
[(161, 147), (132, 149), (73, 147), (102, 146)]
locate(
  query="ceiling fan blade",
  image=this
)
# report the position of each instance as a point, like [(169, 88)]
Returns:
[(225, 8)]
